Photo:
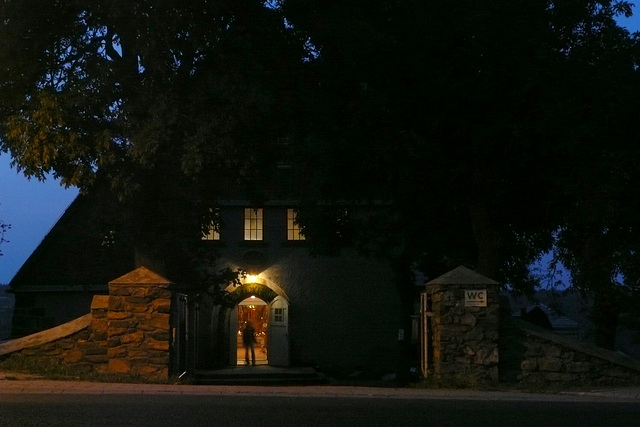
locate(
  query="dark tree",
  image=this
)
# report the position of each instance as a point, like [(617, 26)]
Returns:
[(477, 128), (167, 105)]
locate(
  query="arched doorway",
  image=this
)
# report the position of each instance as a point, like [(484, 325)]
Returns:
[(269, 313), (252, 311)]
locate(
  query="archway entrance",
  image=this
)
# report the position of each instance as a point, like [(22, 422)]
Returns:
[(253, 311), (269, 313)]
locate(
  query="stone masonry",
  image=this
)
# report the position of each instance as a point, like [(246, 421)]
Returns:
[(138, 329), (535, 356), (464, 336), (126, 333)]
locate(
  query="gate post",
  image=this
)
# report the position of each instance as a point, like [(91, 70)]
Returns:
[(464, 327), (138, 327)]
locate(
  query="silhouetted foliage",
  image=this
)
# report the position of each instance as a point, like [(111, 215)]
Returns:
[(487, 133)]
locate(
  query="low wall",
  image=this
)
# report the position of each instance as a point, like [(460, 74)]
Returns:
[(534, 356), (127, 332), (79, 343)]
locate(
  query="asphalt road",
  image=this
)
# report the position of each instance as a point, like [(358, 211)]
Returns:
[(208, 410)]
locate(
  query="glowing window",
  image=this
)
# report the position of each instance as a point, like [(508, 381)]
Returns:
[(212, 232), (293, 228), (253, 224)]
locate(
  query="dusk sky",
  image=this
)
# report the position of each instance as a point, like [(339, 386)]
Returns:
[(33, 207)]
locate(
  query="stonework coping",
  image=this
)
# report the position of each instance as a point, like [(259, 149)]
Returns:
[(462, 276), (100, 302), (141, 276), (569, 344)]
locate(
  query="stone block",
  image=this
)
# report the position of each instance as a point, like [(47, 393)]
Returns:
[(119, 315), (141, 291), (469, 351), (119, 290), (529, 365), (135, 337), (463, 360), (161, 305), (99, 336), (468, 319), (99, 325), (117, 352), (534, 351), (101, 368), (162, 360), (66, 344), (137, 300), (160, 335), (553, 376), (87, 345), (551, 350), (119, 366), (475, 334), (138, 353), (453, 329), (136, 308), (488, 355), (95, 351), (73, 356), (492, 335), (160, 293), (116, 303), (550, 364), (98, 358), (578, 367), (616, 372), (158, 345), (123, 324), (116, 332), (82, 335), (158, 321)]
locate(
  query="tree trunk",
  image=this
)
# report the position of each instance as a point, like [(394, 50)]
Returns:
[(488, 240), (605, 314)]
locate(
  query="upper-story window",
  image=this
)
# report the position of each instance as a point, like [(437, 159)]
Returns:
[(253, 224), (293, 228), (211, 234), (212, 231)]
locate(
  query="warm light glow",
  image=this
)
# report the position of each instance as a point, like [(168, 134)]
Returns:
[(252, 278), (253, 297)]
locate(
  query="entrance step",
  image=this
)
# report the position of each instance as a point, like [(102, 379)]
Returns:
[(259, 375)]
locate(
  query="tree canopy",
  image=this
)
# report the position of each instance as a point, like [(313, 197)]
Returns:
[(493, 132)]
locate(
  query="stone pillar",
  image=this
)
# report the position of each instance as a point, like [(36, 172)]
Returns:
[(464, 327), (138, 328)]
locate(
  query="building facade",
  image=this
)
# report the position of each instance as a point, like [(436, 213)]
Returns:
[(338, 312)]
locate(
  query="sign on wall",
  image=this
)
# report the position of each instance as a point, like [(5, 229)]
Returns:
[(475, 298)]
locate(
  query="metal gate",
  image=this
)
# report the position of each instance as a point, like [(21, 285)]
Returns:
[(426, 341), (181, 335)]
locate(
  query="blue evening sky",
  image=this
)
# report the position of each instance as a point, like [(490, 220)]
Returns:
[(33, 207)]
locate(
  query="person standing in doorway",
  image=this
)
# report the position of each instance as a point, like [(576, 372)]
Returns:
[(249, 340)]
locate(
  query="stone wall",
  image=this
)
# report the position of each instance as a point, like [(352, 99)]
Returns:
[(126, 333), (80, 344), (464, 337), (534, 356), (138, 328)]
